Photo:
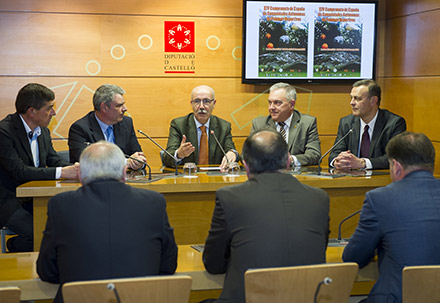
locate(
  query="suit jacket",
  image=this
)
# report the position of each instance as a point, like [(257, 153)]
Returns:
[(387, 126), (401, 221), (106, 229), (17, 164), (186, 126), (87, 129), (270, 220), (303, 139)]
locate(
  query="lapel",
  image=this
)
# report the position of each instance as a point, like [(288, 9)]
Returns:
[(378, 127), (293, 130), (355, 137), (213, 125), (22, 137), (191, 136), (95, 129), (119, 133), (270, 123)]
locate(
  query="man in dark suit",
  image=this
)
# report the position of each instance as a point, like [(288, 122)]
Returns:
[(105, 229), (299, 130), (186, 138), (372, 129), (400, 221), (26, 154), (270, 220), (107, 122)]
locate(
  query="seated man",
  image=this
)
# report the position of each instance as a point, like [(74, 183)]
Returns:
[(372, 129), (188, 143), (105, 229), (26, 154), (270, 220), (400, 221), (298, 130), (106, 122)]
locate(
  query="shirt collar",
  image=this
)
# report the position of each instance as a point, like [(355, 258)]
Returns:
[(102, 124), (36, 131), (371, 124), (288, 121), (198, 124)]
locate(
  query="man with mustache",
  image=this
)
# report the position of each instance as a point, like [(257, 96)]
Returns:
[(27, 154), (190, 138), (298, 130), (372, 129), (106, 122)]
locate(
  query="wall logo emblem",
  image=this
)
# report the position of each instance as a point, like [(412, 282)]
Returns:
[(179, 37)]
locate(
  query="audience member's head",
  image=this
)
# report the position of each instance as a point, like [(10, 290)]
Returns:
[(265, 151), (33, 95), (412, 151), (102, 160), (203, 102), (282, 98)]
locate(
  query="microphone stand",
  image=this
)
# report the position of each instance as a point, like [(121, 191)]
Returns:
[(218, 143), (326, 281), (111, 287), (142, 162), (343, 220), (157, 144), (336, 144)]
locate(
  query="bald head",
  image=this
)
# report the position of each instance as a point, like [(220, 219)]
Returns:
[(102, 160), (265, 151), (202, 102)]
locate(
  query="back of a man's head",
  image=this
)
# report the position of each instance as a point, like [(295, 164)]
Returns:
[(101, 160), (265, 151), (412, 150)]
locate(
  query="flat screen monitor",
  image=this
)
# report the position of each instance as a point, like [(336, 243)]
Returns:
[(308, 41)]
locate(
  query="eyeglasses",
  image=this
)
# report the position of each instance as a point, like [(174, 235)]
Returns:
[(204, 101)]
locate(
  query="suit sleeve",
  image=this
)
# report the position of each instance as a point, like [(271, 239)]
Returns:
[(396, 128), (366, 237), (168, 260), (12, 162), (47, 266), (77, 141), (312, 151), (343, 146), (217, 246), (174, 138)]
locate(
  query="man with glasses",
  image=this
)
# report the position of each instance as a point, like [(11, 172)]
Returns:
[(190, 138), (298, 130)]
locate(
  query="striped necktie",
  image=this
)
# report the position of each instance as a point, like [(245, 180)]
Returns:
[(283, 130)]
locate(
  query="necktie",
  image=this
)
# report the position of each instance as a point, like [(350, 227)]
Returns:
[(282, 130), (109, 134), (365, 143), (203, 152)]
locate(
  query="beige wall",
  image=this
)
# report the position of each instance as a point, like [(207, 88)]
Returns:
[(61, 43)]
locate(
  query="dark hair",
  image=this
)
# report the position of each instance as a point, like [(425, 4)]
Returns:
[(33, 95), (412, 150), (373, 88), (265, 151), (105, 94)]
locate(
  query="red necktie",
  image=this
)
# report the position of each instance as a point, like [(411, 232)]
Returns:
[(365, 143), (203, 152)]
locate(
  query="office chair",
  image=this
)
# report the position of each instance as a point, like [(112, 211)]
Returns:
[(158, 289), (10, 294), (309, 283)]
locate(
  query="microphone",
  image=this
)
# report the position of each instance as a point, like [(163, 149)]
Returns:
[(218, 143), (325, 281), (343, 220), (157, 144), (336, 144), (111, 286), (142, 162)]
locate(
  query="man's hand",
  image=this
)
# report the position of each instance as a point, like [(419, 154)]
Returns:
[(346, 160), (70, 172), (185, 149), (133, 164), (231, 158)]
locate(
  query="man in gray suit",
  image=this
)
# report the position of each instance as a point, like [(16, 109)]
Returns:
[(186, 138), (299, 130), (270, 220), (400, 222)]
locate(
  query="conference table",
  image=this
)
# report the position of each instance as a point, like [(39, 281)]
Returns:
[(190, 201), (19, 269)]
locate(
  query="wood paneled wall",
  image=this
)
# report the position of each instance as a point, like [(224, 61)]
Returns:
[(75, 46), (411, 71)]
